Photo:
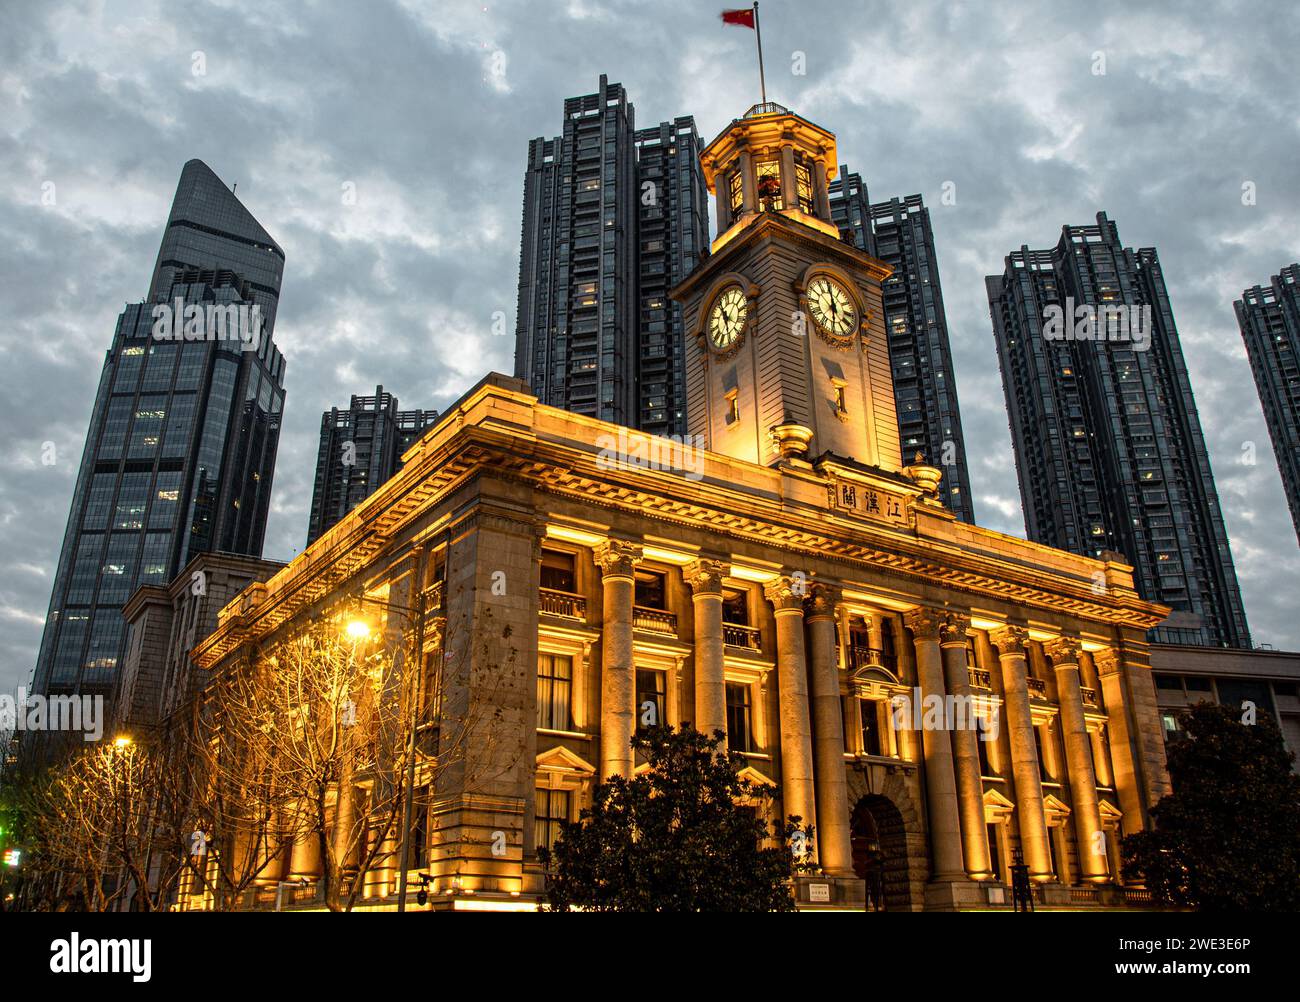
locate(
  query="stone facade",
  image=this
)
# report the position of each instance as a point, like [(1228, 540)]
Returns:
[(820, 602)]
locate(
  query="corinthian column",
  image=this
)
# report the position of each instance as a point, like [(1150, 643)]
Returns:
[(835, 852), (792, 681), (965, 750), (1064, 652), (940, 782), (705, 578), (1010, 642), (616, 560)]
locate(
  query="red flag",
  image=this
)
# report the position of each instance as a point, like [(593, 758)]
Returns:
[(744, 17)]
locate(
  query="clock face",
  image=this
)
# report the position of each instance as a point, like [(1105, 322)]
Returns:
[(832, 307), (727, 318)]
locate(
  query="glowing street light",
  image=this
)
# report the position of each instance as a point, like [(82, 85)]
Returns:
[(122, 741), (358, 629)]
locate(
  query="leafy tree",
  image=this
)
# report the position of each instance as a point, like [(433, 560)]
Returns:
[(1228, 837), (685, 835)]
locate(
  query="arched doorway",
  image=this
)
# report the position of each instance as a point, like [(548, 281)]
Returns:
[(878, 833)]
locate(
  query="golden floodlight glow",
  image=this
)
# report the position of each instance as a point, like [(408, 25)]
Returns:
[(358, 629), (481, 905), (667, 556), (122, 740), (578, 536), (757, 574)]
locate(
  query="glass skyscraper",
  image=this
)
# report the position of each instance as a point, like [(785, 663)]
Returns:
[(180, 451), (925, 388), (1108, 444), (1269, 317), (613, 218)]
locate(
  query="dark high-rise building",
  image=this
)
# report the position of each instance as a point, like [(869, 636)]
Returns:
[(1108, 444), (1270, 326), (604, 237), (925, 389), (672, 236), (360, 448), (181, 447)]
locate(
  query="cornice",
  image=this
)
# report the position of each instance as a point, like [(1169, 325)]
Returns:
[(505, 451)]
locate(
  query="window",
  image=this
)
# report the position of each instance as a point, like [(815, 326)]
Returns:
[(803, 188), (554, 691), (558, 571), (769, 185), (735, 186), (1038, 747), (552, 808), (738, 717), (650, 590), (871, 737), (420, 830), (650, 703), (841, 401), (733, 407), (735, 607), (982, 744)]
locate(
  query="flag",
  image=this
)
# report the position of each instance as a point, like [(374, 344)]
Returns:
[(743, 17)]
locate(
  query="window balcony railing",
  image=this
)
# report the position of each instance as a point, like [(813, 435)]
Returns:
[(1037, 688), (433, 596), (562, 603), (980, 679), (1089, 696), (654, 620), (865, 657), (744, 637)]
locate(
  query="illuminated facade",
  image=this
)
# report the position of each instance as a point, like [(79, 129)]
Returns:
[(918, 686)]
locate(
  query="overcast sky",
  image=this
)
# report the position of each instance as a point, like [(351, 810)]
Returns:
[(427, 110)]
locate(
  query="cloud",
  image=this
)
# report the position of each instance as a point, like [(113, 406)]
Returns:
[(427, 109)]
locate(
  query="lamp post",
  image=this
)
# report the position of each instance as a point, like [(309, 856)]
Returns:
[(408, 794)]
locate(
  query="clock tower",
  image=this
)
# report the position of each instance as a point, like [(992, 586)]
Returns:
[(786, 354)]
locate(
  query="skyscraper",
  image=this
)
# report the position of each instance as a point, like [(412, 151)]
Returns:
[(181, 447), (1108, 444), (1270, 325), (673, 232), (360, 448), (925, 388), (604, 237)]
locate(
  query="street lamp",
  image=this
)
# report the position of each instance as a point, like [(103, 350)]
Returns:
[(359, 629)]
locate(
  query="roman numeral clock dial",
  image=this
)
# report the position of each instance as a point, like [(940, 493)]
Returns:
[(831, 307), (727, 318)]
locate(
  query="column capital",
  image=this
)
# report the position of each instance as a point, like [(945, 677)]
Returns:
[(1064, 651), (952, 630), (924, 623), (617, 557), (1107, 661), (786, 593), (1010, 640), (705, 575), (822, 600)]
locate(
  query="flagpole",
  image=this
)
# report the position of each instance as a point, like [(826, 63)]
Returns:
[(762, 82)]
